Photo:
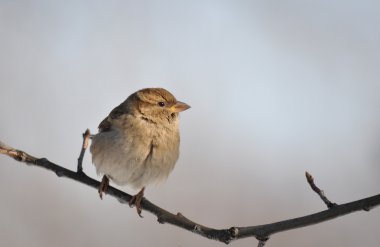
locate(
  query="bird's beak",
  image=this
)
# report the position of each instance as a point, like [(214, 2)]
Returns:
[(179, 106)]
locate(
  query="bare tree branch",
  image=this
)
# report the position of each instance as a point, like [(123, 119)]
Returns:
[(260, 232)]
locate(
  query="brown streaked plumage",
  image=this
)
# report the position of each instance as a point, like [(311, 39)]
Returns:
[(138, 143)]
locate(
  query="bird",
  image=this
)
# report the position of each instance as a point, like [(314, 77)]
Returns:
[(137, 144)]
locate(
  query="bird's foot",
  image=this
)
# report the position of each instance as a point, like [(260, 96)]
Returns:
[(103, 186), (136, 200)]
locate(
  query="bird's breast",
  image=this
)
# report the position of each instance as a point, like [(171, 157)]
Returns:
[(137, 154)]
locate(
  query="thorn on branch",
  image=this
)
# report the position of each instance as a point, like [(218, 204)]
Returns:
[(317, 190)]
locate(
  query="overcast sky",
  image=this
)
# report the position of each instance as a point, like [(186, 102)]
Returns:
[(276, 88)]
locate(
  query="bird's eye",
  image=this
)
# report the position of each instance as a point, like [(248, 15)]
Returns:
[(162, 104)]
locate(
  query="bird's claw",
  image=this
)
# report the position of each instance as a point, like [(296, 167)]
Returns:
[(136, 200), (103, 186)]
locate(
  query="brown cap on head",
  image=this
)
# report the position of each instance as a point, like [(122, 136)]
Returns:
[(163, 97), (152, 95)]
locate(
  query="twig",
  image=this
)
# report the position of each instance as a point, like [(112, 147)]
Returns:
[(260, 232), (262, 242), (320, 192), (86, 137)]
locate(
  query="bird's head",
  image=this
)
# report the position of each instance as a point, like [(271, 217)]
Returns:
[(158, 105)]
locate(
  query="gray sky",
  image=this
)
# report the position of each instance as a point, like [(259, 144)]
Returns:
[(276, 88)]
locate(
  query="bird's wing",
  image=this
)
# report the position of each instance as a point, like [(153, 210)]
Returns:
[(106, 124)]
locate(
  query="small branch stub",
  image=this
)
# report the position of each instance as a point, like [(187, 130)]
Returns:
[(86, 137), (317, 190), (261, 243), (234, 232)]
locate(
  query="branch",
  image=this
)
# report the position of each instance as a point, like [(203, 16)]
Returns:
[(260, 232), (86, 137), (320, 192)]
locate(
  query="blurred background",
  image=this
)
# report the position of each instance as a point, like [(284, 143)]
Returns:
[(277, 88)]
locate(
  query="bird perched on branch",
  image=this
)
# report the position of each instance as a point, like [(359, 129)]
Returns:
[(138, 143)]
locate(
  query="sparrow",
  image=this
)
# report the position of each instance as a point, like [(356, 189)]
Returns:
[(138, 142)]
